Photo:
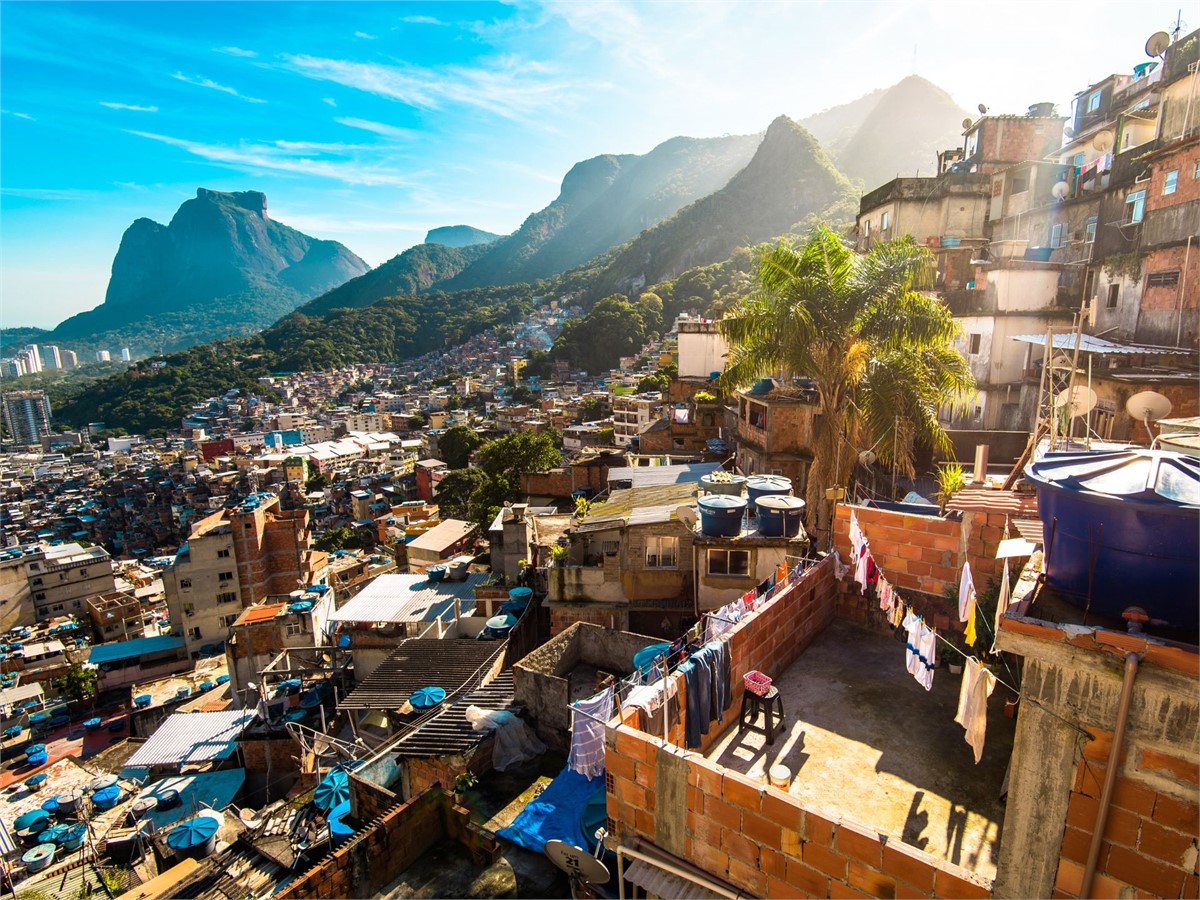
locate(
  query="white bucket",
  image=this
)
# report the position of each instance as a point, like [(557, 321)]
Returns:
[(781, 777)]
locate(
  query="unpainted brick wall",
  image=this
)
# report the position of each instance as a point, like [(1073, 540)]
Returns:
[(753, 835)]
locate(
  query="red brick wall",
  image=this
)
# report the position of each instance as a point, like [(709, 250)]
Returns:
[(1170, 259), (1187, 185), (1150, 838), (563, 616), (753, 835)]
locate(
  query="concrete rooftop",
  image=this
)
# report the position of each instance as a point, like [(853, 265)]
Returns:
[(866, 743)]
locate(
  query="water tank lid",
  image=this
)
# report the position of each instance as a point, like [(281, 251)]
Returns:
[(195, 832), (718, 502), (769, 483), (780, 503), (1161, 478)]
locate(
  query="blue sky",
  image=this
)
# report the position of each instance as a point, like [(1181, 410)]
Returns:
[(370, 123)]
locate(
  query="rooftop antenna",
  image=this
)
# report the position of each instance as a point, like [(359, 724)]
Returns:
[(967, 122), (1158, 42), (1147, 407)]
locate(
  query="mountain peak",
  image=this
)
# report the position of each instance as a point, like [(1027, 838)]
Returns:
[(459, 236), (254, 201)]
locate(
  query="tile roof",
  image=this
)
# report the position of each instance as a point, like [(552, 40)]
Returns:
[(261, 613), (453, 665), (985, 500), (409, 598), (439, 537), (184, 738)]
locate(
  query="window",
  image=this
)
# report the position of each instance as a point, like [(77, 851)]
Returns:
[(1196, 174), (973, 343), (1163, 279), (194, 634), (1114, 294), (662, 552), (1091, 229), (227, 621), (41, 595), (225, 576), (884, 220), (866, 228), (227, 597), (189, 609), (83, 573), (36, 581), (1170, 182), (295, 628), (728, 562), (223, 554), (185, 583), (1093, 101), (1058, 235), (1136, 201), (1020, 182)]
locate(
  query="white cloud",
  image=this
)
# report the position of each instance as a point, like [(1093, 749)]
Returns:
[(512, 88), (329, 101), (421, 20), (128, 106), (290, 157), (53, 194), (212, 85), (237, 51), (362, 35), (389, 131), (19, 115)]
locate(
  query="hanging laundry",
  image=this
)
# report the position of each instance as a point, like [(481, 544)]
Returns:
[(587, 733), (856, 538), (966, 593), (655, 701), (896, 613), (884, 589), (840, 569), (927, 652), (969, 634), (1001, 604), (912, 626), (977, 685), (719, 661)]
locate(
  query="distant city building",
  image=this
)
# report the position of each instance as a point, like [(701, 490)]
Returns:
[(51, 357), (69, 359), (27, 416), (125, 354), (13, 368), (35, 358), (103, 356)]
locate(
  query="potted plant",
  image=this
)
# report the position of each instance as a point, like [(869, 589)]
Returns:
[(558, 554), (463, 783)]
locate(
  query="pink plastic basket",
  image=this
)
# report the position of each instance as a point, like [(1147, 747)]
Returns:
[(757, 683)]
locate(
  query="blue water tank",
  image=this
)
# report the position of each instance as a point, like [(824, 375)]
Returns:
[(721, 515), (779, 516), (1123, 525), (766, 486)]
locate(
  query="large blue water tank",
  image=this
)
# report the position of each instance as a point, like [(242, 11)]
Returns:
[(1123, 525), (779, 516), (721, 515), (767, 486)]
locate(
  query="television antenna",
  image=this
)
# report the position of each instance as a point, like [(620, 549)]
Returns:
[(1157, 43), (1147, 407)]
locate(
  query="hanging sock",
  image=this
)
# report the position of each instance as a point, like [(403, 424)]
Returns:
[(977, 685), (966, 593), (970, 635)]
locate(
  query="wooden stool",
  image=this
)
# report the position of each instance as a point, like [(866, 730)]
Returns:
[(771, 706)]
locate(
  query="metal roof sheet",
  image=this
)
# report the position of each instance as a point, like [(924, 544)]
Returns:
[(118, 650), (1090, 344), (453, 665), (184, 738), (985, 500), (439, 537), (451, 733), (648, 476), (409, 598), (661, 883)]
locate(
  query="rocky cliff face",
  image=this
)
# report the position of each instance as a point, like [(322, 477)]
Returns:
[(460, 236), (221, 251)]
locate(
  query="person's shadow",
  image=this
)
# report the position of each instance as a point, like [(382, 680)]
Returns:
[(915, 823), (956, 826)]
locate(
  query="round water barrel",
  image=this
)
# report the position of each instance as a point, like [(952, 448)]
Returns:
[(36, 759), (721, 515), (35, 820), (100, 782), (50, 806), (70, 801), (39, 857), (194, 838), (143, 805), (427, 697), (92, 724), (723, 483), (107, 798), (767, 486), (779, 515), (436, 573), (52, 835), (168, 799), (523, 594), (74, 836)]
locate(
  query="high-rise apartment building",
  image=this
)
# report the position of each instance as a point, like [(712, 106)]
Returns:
[(125, 354), (69, 359), (35, 357), (233, 559), (51, 357), (103, 356), (27, 416)]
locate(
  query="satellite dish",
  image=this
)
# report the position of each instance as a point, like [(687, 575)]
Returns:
[(1081, 399), (687, 516), (577, 863), (966, 123), (1158, 43), (1148, 406), (1060, 190), (1068, 131), (982, 109), (867, 457), (1103, 141)]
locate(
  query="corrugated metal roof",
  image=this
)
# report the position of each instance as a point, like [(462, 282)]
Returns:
[(184, 738), (409, 598), (451, 733), (439, 537), (453, 665), (654, 503), (1090, 344), (648, 476), (261, 613), (984, 500), (102, 653), (662, 883)]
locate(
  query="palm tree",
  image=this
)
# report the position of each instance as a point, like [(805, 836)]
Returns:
[(879, 352)]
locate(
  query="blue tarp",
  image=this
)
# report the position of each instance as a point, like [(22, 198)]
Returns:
[(554, 814), (118, 650)]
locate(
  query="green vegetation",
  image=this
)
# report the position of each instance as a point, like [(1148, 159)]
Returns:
[(950, 480), (79, 683), (345, 538), (476, 494), (613, 328), (879, 353), (455, 446)]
